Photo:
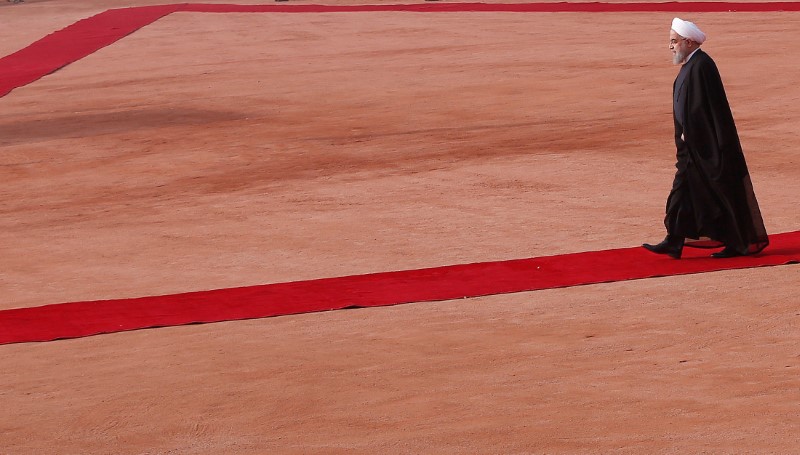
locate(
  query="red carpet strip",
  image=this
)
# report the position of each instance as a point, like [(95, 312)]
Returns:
[(73, 43), (80, 319), (87, 36)]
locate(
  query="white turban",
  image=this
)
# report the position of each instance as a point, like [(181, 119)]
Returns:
[(688, 30)]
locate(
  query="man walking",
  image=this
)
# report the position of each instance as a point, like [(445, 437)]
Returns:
[(712, 196)]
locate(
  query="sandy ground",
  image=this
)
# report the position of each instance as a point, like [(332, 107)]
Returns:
[(215, 150)]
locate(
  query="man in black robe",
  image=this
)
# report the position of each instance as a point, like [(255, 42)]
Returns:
[(712, 200)]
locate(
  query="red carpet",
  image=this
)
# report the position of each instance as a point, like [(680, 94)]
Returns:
[(73, 43), (72, 320), (87, 36)]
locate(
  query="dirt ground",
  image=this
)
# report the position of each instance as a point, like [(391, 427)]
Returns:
[(209, 151)]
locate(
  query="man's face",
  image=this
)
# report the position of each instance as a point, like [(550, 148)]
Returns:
[(679, 46)]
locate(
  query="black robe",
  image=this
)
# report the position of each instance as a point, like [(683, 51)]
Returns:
[(712, 196)]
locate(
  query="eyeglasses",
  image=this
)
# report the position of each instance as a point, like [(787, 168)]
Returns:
[(673, 41)]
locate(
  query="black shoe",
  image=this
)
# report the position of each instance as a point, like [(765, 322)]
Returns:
[(671, 248), (728, 252)]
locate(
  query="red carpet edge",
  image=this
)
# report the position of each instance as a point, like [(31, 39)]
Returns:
[(80, 319), (86, 36)]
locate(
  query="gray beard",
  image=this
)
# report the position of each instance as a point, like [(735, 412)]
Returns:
[(678, 58)]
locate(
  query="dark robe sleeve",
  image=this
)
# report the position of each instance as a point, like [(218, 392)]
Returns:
[(710, 129)]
